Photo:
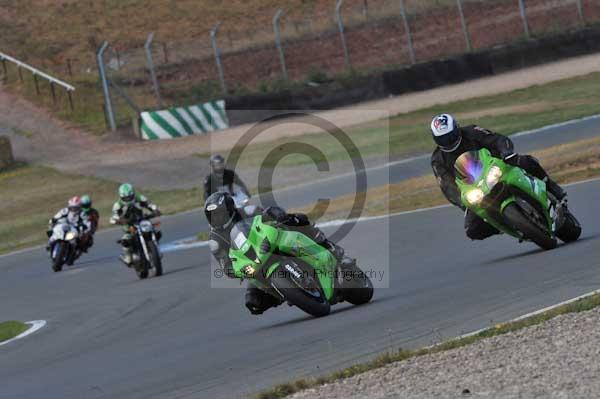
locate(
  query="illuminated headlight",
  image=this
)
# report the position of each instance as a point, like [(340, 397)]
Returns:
[(493, 176), (71, 235), (474, 196), (248, 270)]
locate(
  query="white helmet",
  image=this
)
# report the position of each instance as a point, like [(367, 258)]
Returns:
[(446, 132)]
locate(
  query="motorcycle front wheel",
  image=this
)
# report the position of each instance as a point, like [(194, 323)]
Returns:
[(155, 260), (301, 288), (516, 218), (59, 259)]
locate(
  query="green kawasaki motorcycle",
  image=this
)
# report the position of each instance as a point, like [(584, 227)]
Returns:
[(513, 201), (293, 268)]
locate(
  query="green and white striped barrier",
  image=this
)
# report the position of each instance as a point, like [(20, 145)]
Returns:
[(183, 121)]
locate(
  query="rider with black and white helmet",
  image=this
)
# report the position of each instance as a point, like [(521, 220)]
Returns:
[(221, 177), (222, 217), (453, 140)]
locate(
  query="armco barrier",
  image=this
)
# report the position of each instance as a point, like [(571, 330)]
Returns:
[(183, 121), (418, 77)]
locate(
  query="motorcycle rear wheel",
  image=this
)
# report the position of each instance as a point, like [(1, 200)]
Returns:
[(570, 230), (357, 287), (530, 230)]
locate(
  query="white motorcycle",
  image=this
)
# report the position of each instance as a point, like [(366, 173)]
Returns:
[(64, 245), (240, 198)]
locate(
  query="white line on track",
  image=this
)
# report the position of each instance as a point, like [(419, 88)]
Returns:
[(35, 325), (176, 246), (189, 243)]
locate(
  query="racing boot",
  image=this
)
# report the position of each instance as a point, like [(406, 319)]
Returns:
[(258, 301), (127, 256)]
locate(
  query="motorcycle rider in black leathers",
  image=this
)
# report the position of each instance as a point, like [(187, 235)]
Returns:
[(222, 215), (453, 140), (221, 177)]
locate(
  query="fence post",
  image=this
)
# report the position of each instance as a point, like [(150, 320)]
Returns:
[(411, 50), (107, 100), (217, 51), (53, 92), (37, 87), (524, 18), (276, 20), (150, 61), (338, 15), (463, 22), (4, 69), (580, 12)]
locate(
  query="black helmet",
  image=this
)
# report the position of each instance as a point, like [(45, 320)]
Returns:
[(217, 163), (446, 132), (220, 210)]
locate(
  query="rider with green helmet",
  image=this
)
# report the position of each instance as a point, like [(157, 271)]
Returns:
[(127, 211), (93, 216)]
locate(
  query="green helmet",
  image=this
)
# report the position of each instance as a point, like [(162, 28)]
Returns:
[(86, 201), (126, 193)]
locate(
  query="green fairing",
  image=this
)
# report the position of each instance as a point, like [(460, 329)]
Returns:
[(511, 176), (287, 242)]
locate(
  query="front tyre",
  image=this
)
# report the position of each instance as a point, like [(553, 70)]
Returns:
[(155, 260), (301, 287), (59, 259), (519, 221)]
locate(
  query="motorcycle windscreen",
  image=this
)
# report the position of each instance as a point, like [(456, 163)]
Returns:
[(468, 167)]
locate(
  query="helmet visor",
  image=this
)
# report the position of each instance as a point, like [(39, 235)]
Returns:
[(218, 217), (128, 198), (448, 141), (74, 209)]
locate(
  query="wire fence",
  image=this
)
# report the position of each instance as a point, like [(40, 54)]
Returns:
[(354, 36)]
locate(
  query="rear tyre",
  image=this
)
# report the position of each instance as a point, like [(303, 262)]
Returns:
[(304, 291), (155, 260), (530, 230), (357, 287), (570, 230), (57, 262)]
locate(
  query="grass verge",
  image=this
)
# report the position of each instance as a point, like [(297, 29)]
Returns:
[(566, 163), (10, 329), (283, 390), (33, 194), (407, 134)]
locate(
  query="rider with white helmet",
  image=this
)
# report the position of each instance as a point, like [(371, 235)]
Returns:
[(453, 140)]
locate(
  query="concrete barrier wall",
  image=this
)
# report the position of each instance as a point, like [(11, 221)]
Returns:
[(6, 154), (418, 77)]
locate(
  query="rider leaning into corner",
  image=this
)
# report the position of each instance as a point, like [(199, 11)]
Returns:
[(222, 217), (72, 215), (453, 140), (221, 177), (127, 211), (93, 216)]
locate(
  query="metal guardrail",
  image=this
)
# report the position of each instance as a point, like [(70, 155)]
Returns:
[(36, 72)]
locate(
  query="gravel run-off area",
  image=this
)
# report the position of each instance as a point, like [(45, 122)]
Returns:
[(557, 359)]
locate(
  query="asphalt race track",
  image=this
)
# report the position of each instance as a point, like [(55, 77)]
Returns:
[(110, 335)]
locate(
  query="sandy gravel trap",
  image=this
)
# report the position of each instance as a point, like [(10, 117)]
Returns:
[(556, 359)]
